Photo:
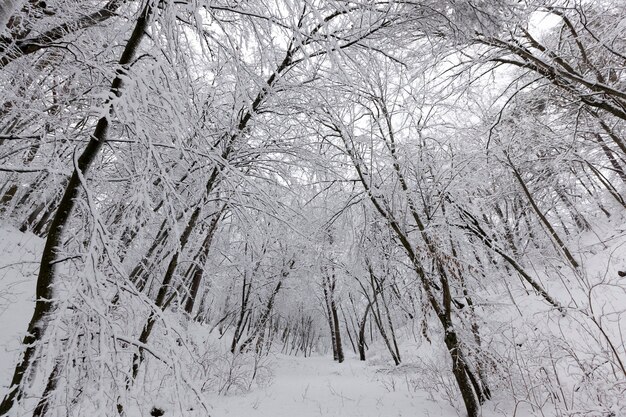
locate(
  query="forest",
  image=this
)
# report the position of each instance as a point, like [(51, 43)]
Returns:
[(193, 192)]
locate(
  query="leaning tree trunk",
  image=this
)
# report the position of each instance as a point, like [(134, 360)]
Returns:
[(377, 315), (261, 325), (198, 270), (46, 280), (551, 231), (160, 302)]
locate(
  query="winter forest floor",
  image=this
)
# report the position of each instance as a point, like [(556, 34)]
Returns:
[(289, 386), (285, 385), (317, 386), (293, 386)]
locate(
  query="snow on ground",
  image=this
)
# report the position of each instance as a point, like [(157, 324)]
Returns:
[(298, 387), (317, 386), (303, 387), (19, 263)]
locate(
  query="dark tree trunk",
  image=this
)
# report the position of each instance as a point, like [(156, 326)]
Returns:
[(244, 312), (203, 254), (337, 331), (361, 340), (607, 184), (377, 289), (45, 304), (609, 155), (164, 289), (328, 285), (21, 45), (553, 234), (442, 309), (261, 325), (53, 380)]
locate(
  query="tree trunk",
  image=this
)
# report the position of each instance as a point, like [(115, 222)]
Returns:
[(335, 316), (201, 259), (160, 301), (361, 340), (328, 285), (46, 280), (261, 325), (542, 218), (458, 365)]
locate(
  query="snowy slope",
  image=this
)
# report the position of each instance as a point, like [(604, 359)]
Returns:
[(19, 257)]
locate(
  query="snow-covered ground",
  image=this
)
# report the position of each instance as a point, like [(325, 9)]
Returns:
[(289, 386), (317, 386), (19, 262), (298, 386)]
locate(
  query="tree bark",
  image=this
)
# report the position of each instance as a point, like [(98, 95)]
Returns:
[(201, 259), (542, 218), (46, 280), (24, 47), (361, 340)]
